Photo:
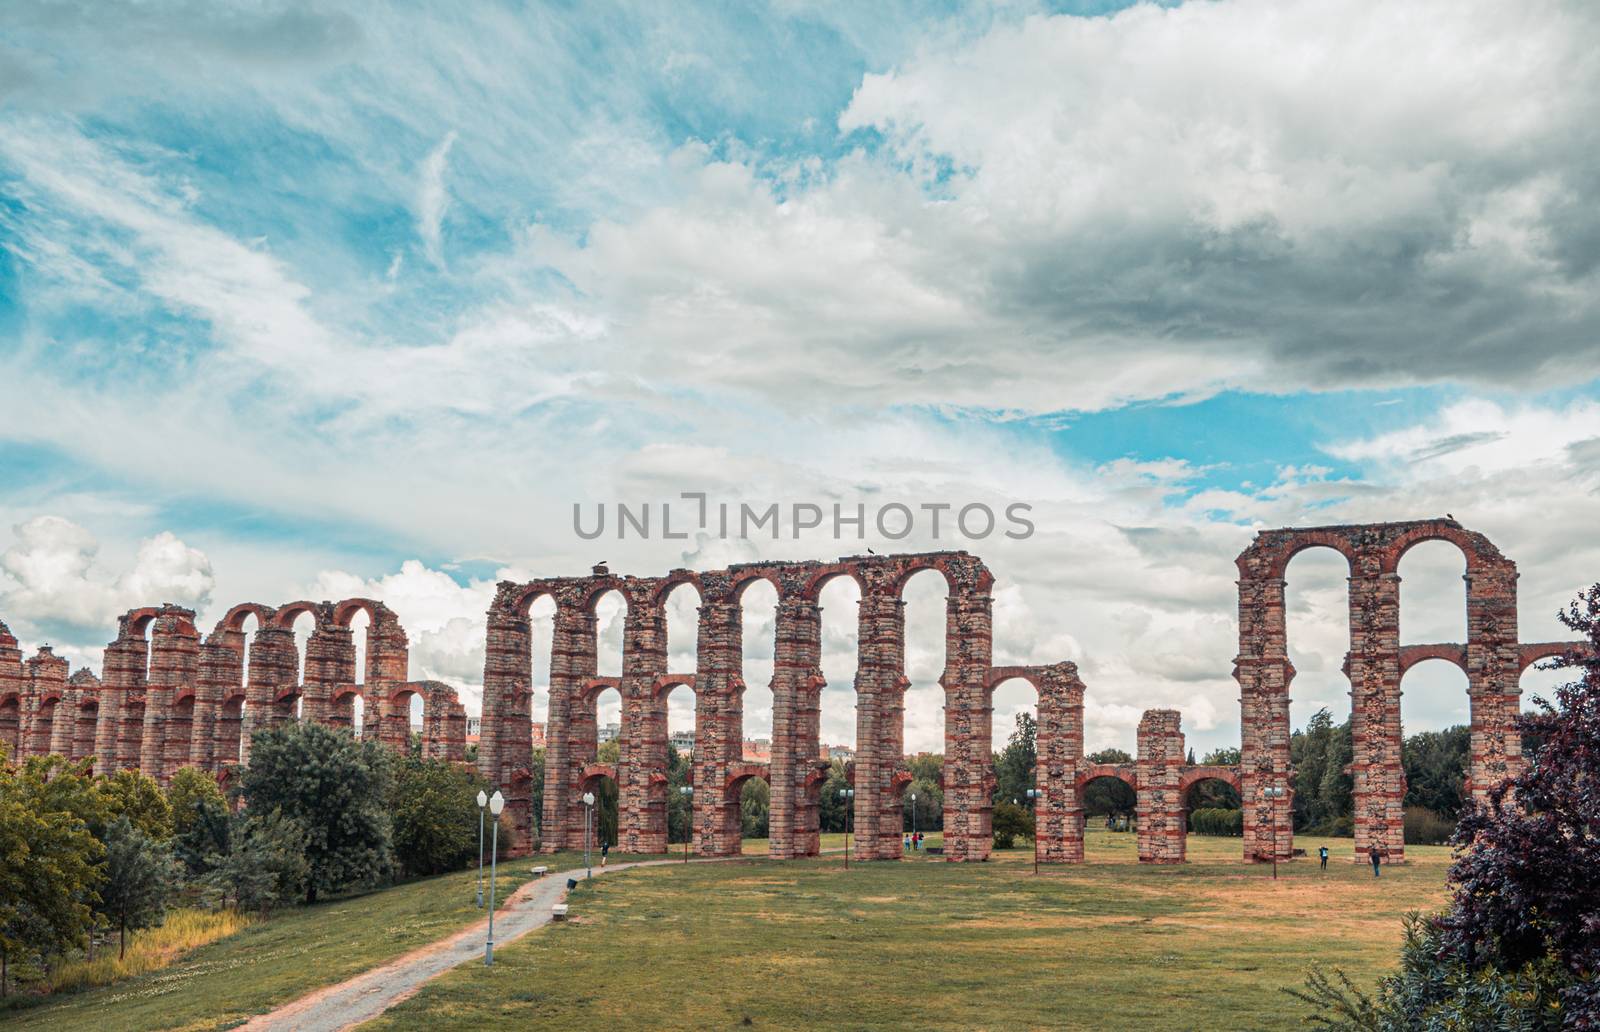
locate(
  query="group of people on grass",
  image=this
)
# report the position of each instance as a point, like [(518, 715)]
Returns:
[(1376, 854)]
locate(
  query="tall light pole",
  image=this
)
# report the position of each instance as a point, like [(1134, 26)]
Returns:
[(588, 810), (1033, 798), (913, 820), (497, 802), (1275, 793), (849, 795), (483, 801), (687, 792)]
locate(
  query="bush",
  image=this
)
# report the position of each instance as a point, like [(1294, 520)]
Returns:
[(436, 816), (1426, 828), (1011, 822), (1214, 820)]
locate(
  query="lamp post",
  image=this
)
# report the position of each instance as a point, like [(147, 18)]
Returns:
[(913, 820), (1033, 798), (687, 792), (848, 794), (1275, 793), (497, 803), (588, 810), (483, 801)]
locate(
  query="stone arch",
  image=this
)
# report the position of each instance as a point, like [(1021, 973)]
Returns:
[(285, 616), (233, 619), (1476, 550), (345, 611), (1116, 771)]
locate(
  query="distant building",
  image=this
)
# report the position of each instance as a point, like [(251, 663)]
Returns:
[(538, 734), (841, 752), (609, 733), (682, 741), (474, 728), (758, 750)]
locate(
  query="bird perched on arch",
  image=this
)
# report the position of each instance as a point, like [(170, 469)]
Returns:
[(1450, 516)]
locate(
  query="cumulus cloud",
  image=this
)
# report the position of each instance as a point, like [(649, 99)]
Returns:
[(53, 579)]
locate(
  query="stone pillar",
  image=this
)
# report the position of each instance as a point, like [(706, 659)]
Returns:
[(968, 727), (1058, 814), (11, 690), (330, 661), (718, 722), (1264, 673), (505, 731), (642, 751), (388, 650), (64, 728), (47, 680), (85, 718), (880, 707), (1374, 667), (569, 737), (124, 672), (1159, 804), (222, 679), (273, 663), (797, 683), (174, 665), (1493, 676)]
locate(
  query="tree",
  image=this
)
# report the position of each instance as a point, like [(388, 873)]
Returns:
[(1435, 764), (188, 793), (1011, 822), (1519, 946), (755, 808), (1014, 765), (336, 789), (48, 873), (1108, 796), (435, 816), (139, 798), (606, 798), (268, 868), (140, 874), (680, 807)]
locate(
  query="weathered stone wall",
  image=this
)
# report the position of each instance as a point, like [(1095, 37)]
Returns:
[(1159, 808)]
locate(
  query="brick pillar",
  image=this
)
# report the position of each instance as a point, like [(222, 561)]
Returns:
[(217, 663), (569, 737), (1058, 813), (47, 678), (718, 723), (1159, 807), (642, 752), (1264, 673), (968, 726), (505, 737), (222, 670), (797, 682), (11, 686), (1374, 668), (124, 670), (444, 723), (1493, 676), (273, 664), (174, 665), (86, 699), (330, 661), (64, 728), (880, 711), (388, 650)]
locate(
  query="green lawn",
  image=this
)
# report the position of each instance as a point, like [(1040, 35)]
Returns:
[(1105, 945), (275, 961)]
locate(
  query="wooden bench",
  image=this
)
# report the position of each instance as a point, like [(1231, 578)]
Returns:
[(559, 912)]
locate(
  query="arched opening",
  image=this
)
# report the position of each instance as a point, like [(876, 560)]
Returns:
[(1109, 805), (11, 726), (677, 765), (839, 601), (230, 728), (1436, 749), (601, 781), (602, 743), (758, 619), (1317, 625), (1433, 593), (610, 617), (344, 706), (360, 624), (180, 732), (926, 595), (44, 723), (541, 649), (749, 801), (1211, 806), (1014, 703)]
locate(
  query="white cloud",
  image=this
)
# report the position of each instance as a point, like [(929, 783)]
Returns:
[(433, 198)]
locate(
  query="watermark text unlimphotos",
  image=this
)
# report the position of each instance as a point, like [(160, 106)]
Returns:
[(696, 513)]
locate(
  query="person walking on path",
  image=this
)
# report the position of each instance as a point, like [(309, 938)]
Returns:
[(1323, 854), (605, 847), (1377, 858)]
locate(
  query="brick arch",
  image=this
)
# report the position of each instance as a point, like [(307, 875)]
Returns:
[(998, 676), (664, 683), (596, 588), (743, 578), (589, 778), (1531, 653), (1449, 652), (593, 687), (1272, 551), (672, 582), (1476, 550), (137, 621), (1192, 776), (1123, 773), (739, 773), (531, 592), (346, 610), (233, 619), (820, 575), (284, 616), (963, 573)]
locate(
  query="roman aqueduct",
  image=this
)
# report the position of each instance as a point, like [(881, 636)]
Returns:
[(170, 699)]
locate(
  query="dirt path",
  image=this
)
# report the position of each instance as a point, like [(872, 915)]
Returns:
[(369, 994)]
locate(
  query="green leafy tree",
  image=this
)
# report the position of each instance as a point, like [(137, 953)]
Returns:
[(188, 794), (435, 816), (140, 875), (680, 808), (336, 788), (927, 784), (139, 798), (833, 812), (1014, 766), (536, 788), (755, 808), (606, 798), (1011, 822), (1322, 790), (48, 873), (1436, 764), (267, 868), (1107, 796)]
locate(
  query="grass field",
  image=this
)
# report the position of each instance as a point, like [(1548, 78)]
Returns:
[(274, 961), (1105, 945)]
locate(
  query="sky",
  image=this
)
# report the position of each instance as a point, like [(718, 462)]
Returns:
[(300, 302)]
